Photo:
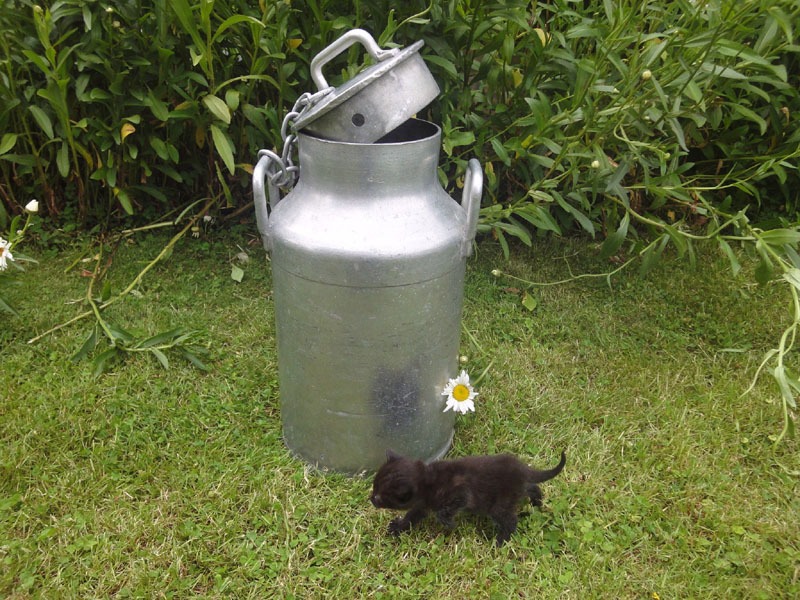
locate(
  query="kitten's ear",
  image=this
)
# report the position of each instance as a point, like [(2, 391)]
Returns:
[(392, 455)]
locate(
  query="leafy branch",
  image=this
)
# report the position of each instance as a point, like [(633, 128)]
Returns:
[(777, 250), (120, 340)]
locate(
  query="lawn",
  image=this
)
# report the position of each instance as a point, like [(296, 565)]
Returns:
[(150, 483)]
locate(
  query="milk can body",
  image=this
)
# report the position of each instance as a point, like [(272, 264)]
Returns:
[(368, 258)]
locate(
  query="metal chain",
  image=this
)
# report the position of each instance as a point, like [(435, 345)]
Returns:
[(282, 172)]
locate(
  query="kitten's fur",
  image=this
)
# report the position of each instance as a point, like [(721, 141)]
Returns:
[(485, 485)]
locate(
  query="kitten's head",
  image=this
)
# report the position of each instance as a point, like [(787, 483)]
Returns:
[(396, 483)]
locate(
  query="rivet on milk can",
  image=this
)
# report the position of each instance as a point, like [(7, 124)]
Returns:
[(368, 257)]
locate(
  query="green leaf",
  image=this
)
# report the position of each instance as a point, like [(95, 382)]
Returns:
[(750, 116), (764, 271), (501, 151), (162, 358), (728, 251), (5, 307), (448, 66), (100, 363), (539, 217), (615, 240), (87, 347), (39, 61), (652, 254), (124, 200), (7, 142), (232, 99), (792, 255), (230, 21), (517, 230), (160, 147), (779, 373), (223, 147), (693, 92), (106, 293), (159, 109), (192, 358), (87, 17), (779, 237), (529, 301), (725, 72), (456, 138), (793, 277), (581, 218), (678, 131), (681, 242), (165, 337), (118, 334), (501, 238), (187, 19), (237, 274), (614, 183), (62, 160), (218, 108), (225, 189), (41, 118)]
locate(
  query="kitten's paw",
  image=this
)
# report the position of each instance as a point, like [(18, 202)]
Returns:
[(446, 520), (398, 525)]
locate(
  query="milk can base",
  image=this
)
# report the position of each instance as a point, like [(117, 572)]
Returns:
[(361, 471)]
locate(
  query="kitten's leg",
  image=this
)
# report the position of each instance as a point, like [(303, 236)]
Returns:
[(506, 521), (400, 524), (456, 501), (535, 494)]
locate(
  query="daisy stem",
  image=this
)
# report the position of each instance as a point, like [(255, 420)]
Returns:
[(483, 373)]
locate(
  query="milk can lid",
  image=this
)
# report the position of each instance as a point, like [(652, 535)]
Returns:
[(374, 102)]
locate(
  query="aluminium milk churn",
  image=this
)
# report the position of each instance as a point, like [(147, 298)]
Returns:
[(368, 256)]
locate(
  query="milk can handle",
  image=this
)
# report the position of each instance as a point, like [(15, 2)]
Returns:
[(343, 43), (260, 176), (471, 203)]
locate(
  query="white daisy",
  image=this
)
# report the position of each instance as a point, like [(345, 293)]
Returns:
[(5, 254), (32, 206), (459, 394)]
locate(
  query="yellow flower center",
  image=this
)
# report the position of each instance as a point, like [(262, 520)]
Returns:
[(461, 392)]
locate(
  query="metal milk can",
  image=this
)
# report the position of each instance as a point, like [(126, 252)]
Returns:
[(368, 258)]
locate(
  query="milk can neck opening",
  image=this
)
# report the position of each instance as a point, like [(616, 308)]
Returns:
[(410, 131), (413, 130), (404, 162)]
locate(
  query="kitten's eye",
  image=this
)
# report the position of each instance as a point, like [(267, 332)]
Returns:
[(404, 495)]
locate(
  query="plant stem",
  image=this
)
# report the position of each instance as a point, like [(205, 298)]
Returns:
[(134, 283)]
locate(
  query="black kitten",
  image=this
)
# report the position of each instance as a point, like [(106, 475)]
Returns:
[(485, 485)]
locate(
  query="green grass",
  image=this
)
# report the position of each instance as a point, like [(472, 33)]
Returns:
[(149, 483)]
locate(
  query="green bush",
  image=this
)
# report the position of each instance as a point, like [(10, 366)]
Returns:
[(582, 111), (139, 105), (585, 110)]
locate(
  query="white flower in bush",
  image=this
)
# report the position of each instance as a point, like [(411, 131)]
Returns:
[(5, 254), (32, 206)]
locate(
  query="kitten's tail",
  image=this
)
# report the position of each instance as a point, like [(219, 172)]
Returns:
[(540, 476)]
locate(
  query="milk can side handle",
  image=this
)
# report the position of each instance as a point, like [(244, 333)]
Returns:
[(260, 175), (471, 203), (343, 43)]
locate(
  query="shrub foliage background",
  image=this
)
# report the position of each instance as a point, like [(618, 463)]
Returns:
[(582, 111)]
